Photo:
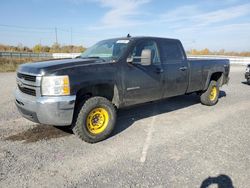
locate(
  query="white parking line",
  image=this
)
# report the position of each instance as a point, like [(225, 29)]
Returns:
[(147, 141)]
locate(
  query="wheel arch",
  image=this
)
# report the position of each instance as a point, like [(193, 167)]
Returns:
[(216, 76), (107, 90)]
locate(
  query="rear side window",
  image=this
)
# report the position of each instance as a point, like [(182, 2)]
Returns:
[(171, 52)]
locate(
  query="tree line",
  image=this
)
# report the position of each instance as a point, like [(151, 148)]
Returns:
[(206, 51), (38, 48), (57, 48)]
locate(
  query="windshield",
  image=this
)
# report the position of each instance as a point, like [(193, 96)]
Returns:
[(107, 50)]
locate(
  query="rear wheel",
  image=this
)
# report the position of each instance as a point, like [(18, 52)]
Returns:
[(211, 95), (96, 120)]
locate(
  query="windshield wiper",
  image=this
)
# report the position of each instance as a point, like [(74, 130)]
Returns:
[(95, 57), (91, 57)]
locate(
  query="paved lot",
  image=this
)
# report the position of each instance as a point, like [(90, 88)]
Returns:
[(174, 143)]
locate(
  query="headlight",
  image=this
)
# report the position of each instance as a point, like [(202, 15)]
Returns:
[(55, 85)]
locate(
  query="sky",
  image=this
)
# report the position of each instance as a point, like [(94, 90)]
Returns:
[(213, 24)]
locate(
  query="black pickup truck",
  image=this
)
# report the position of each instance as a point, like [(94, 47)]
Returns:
[(85, 92)]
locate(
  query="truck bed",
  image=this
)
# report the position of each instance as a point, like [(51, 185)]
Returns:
[(201, 69)]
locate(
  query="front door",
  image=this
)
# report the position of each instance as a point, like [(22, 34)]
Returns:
[(143, 83)]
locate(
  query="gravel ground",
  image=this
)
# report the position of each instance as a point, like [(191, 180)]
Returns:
[(173, 143)]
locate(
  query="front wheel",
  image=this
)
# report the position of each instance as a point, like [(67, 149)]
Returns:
[(211, 95), (96, 120)]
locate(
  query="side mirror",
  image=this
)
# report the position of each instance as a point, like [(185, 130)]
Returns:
[(146, 56), (130, 60)]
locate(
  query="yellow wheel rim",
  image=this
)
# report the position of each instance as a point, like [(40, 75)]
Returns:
[(97, 120), (213, 93)]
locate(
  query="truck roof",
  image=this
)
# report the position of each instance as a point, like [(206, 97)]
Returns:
[(144, 37)]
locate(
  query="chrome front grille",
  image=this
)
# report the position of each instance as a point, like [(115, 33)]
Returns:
[(26, 90), (28, 84), (26, 77)]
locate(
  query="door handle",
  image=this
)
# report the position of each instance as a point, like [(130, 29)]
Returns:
[(159, 70), (183, 68)]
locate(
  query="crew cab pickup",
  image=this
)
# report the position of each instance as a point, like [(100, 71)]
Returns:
[(84, 93)]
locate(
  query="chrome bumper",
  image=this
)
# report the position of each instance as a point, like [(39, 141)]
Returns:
[(46, 110)]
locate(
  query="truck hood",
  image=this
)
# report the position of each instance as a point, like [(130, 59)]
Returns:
[(43, 67)]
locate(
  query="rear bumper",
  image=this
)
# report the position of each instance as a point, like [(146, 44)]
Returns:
[(227, 80), (247, 75), (46, 110)]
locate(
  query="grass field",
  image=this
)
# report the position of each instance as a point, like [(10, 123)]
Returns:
[(11, 64)]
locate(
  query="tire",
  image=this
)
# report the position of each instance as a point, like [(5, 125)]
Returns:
[(211, 95), (95, 120)]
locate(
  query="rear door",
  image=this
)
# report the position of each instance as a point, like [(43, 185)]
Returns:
[(175, 66), (143, 83)]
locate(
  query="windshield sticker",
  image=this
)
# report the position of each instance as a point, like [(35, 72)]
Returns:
[(123, 41)]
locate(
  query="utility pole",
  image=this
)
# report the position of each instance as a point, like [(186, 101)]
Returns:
[(71, 36), (56, 35)]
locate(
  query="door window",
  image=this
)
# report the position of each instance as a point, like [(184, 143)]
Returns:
[(151, 45)]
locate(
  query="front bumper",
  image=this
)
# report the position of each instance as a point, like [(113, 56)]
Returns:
[(46, 110)]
